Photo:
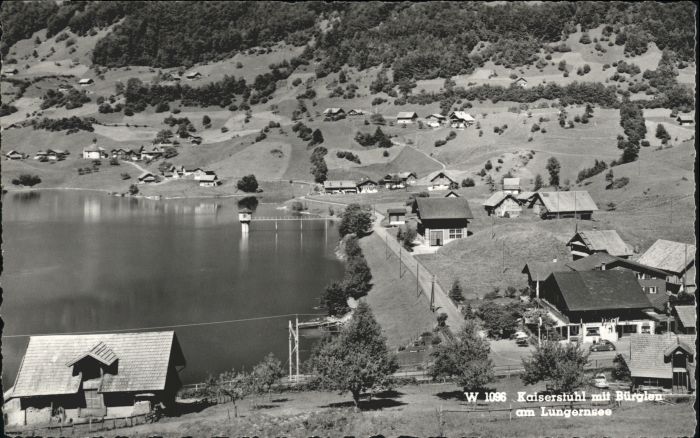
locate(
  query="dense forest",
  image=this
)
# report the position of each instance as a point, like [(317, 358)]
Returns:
[(418, 40)]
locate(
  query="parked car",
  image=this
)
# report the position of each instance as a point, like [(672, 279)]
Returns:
[(603, 345), (599, 381), (522, 342)]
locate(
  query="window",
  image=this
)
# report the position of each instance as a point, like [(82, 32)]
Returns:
[(456, 233), (592, 331), (93, 400), (651, 289)]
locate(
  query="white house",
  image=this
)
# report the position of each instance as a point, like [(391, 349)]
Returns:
[(93, 152), (460, 119), (209, 180), (193, 75), (406, 117), (511, 185), (367, 186), (85, 82)]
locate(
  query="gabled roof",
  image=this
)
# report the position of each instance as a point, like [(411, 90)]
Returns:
[(539, 271), (520, 79), (146, 175), (600, 290), (603, 240), (333, 111), (511, 183), (100, 352), (443, 208), (436, 116), (686, 314), (670, 256), (367, 181), (143, 360), (341, 184), (648, 353), (406, 175), (406, 115), (596, 260), (85, 81), (524, 196), (685, 118), (497, 197), (462, 115), (396, 210), (567, 201), (442, 174), (208, 178)]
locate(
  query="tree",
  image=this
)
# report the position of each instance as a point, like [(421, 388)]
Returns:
[(316, 138), (662, 134), (248, 184), (357, 359), (265, 374), (561, 365), (499, 321), (620, 370), (468, 182), (456, 292), (163, 136), (26, 180), (206, 120), (466, 358), (355, 220), (133, 190), (553, 168), (538, 182), (441, 319)]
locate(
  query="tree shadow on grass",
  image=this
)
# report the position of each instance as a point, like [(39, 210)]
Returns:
[(458, 395), (264, 406), (188, 408), (390, 393), (376, 404), (280, 400)]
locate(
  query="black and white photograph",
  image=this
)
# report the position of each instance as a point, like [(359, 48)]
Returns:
[(348, 219)]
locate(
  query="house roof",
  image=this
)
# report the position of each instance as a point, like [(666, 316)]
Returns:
[(524, 196), (670, 256), (357, 111), (443, 208), (462, 115), (647, 353), (85, 81), (596, 260), (146, 175), (687, 315), (436, 116), (341, 184), (406, 115), (600, 290), (567, 201), (332, 110), (520, 79), (367, 181), (659, 301), (603, 240), (496, 198), (685, 118), (100, 351), (511, 183), (143, 360), (405, 175), (208, 178), (444, 174), (539, 271), (396, 210)]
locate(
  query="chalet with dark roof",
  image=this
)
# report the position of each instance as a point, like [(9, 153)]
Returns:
[(651, 280), (677, 259), (595, 305), (97, 376), (442, 220)]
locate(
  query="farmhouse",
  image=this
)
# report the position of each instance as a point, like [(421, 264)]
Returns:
[(333, 111), (58, 155), (502, 204), (98, 376), (663, 361), (342, 186), (209, 180), (356, 112), (436, 120), (442, 220), (93, 152), (684, 318), (441, 181), (198, 173), (153, 154), (685, 119), (367, 186), (397, 216), (676, 259), (460, 119), (14, 155), (651, 280), (193, 75), (147, 178), (585, 243), (85, 82), (406, 117), (520, 82), (511, 185), (595, 305), (551, 205), (398, 180)]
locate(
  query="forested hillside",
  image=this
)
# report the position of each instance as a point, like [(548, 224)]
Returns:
[(418, 40)]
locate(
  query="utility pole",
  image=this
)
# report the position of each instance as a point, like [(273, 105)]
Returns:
[(297, 345), (503, 257), (399, 260), (417, 276), (432, 294), (294, 335)]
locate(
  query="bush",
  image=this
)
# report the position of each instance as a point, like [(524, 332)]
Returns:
[(468, 182), (26, 180)]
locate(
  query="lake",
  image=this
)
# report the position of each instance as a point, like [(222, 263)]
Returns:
[(77, 261)]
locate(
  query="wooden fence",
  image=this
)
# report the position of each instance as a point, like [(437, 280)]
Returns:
[(92, 425)]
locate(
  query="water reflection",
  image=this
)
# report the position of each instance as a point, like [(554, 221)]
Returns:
[(26, 196)]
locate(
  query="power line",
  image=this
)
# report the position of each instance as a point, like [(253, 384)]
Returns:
[(194, 324)]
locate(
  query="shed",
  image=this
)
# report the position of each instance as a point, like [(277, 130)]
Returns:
[(193, 75), (441, 220), (520, 82), (574, 204), (666, 361), (397, 216), (685, 119)]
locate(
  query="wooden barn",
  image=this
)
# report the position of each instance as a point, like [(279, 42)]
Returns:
[(663, 361), (397, 216), (442, 220), (67, 378), (563, 205), (585, 243), (460, 119), (341, 186), (511, 185), (406, 117), (502, 204)]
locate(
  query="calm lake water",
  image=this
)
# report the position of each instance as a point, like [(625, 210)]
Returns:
[(77, 261)]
